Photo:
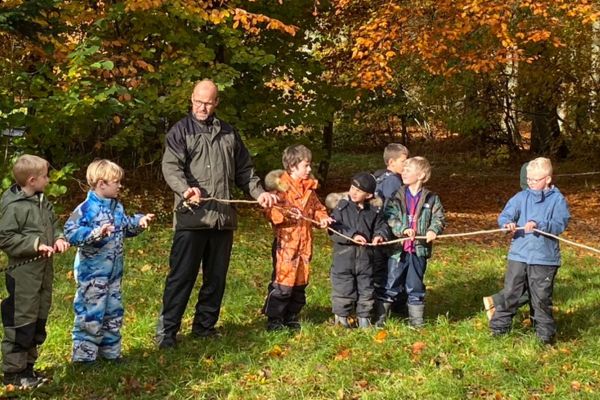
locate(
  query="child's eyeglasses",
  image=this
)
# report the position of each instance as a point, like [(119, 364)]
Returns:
[(534, 181)]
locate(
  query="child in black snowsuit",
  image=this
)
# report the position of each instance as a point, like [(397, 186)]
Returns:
[(352, 269)]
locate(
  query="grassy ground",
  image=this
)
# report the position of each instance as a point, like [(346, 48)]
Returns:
[(453, 357)]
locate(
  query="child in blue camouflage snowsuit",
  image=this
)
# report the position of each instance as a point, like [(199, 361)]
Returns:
[(98, 226)]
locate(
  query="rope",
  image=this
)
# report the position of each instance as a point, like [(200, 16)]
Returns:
[(89, 240), (583, 246), (294, 212), (454, 235), (579, 174)]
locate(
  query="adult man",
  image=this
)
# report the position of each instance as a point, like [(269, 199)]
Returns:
[(204, 157)]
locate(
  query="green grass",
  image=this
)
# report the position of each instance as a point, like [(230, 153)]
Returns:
[(454, 357)]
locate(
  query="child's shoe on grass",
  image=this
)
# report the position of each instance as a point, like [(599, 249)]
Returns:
[(341, 321), (488, 305)]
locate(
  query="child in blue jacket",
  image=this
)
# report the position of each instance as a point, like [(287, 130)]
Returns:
[(533, 258), (98, 226)]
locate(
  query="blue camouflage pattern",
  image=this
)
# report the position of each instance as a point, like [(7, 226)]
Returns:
[(98, 271)]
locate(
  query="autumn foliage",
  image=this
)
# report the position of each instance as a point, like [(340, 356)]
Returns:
[(448, 36)]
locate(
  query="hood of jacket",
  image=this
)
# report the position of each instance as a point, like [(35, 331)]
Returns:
[(15, 193)]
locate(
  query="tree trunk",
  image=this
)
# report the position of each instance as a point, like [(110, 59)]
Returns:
[(545, 131), (328, 147), (405, 137)]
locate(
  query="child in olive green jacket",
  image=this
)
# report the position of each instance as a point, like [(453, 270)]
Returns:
[(28, 229)]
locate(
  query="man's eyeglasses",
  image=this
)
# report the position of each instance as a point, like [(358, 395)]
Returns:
[(206, 104), (534, 181)]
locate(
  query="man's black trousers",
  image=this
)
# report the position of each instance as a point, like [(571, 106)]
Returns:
[(211, 249)]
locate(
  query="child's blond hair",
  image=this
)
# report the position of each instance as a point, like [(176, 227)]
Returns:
[(421, 165), (103, 170), (540, 164), (294, 155), (393, 151), (28, 166)]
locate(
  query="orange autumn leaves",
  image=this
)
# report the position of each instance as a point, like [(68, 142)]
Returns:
[(217, 12), (448, 36)]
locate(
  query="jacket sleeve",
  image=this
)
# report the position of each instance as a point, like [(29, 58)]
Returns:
[(381, 227), (245, 176), (559, 219), (511, 211), (57, 226), (389, 186), (341, 227), (438, 219), (173, 161), (276, 215), (393, 214), (319, 210), (131, 225), (12, 240), (79, 228)]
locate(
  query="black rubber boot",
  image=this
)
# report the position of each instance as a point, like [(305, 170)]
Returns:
[(382, 310), (415, 315)]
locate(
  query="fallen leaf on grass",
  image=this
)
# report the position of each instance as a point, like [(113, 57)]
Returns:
[(276, 351), (266, 373), (146, 268), (363, 383), (131, 385), (208, 361), (418, 347), (343, 354), (576, 386), (70, 275), (380, 336), (550, 388)]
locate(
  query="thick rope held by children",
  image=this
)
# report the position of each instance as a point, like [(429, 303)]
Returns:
[(295, 213)]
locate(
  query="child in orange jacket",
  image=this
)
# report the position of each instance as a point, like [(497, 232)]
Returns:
[(292, 246)]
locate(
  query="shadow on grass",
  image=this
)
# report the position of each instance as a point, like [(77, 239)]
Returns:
[(576, 300), (194, 367)]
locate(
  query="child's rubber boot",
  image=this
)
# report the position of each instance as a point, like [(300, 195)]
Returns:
[(415, 315), (364, 322), (342, 321), (382, 310)]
